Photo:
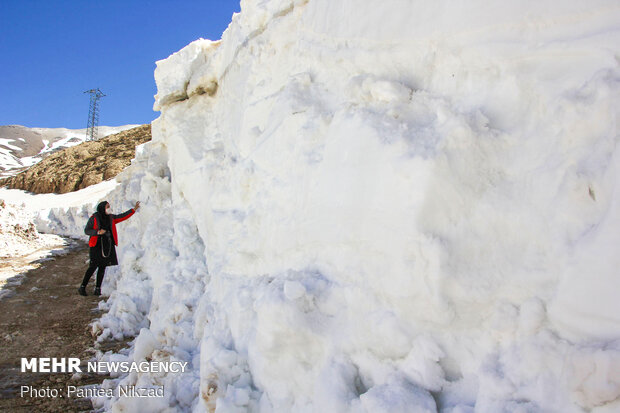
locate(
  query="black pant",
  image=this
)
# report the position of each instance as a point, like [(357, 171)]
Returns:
[(89, 273)]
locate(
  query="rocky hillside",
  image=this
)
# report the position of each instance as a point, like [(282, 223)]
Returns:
[(21, 146), (82, 165)]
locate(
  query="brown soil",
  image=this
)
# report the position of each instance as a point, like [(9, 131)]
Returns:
[(45, 317), (83, 165)]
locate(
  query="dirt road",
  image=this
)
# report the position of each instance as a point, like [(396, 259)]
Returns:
[(45, 317)]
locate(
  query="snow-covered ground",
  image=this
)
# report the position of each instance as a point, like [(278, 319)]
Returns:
[(20, 242), (14, 139), (41, 203), (26, 234), (396, 206)]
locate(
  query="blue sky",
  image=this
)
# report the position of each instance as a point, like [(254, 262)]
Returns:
[(51, 51)]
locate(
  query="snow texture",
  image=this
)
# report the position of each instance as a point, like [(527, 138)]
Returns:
[(379, 207)]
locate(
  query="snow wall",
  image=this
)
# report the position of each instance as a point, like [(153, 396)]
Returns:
[(395, 206)]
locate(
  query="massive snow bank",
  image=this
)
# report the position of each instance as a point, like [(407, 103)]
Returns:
[(380, 206)]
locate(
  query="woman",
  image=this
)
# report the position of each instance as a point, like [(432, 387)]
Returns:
[(102, 230)]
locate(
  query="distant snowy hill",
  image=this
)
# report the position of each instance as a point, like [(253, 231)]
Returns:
[(22, 147)]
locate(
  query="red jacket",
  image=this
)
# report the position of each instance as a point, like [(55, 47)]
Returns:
[(92, 226)]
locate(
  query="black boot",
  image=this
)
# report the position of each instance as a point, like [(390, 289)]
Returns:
[(82, 290), (97, 291)]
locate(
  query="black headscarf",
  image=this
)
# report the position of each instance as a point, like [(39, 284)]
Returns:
[(103, 217)]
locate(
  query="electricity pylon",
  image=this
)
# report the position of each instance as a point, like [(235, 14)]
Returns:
[(93, 114)]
